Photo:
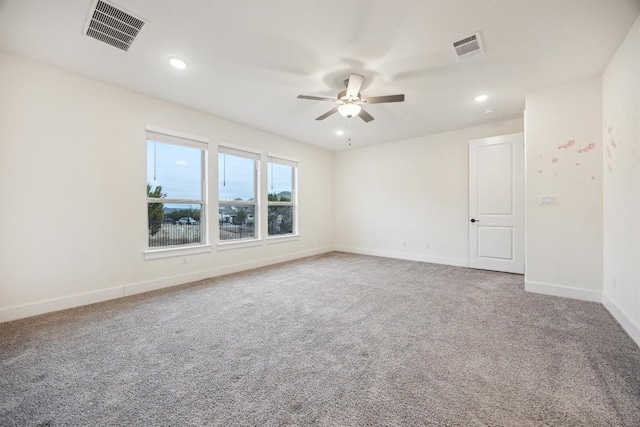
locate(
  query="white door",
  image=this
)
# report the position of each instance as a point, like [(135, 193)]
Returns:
[(496, 203)]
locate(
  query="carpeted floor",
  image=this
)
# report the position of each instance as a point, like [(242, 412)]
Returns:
[(332, 340)]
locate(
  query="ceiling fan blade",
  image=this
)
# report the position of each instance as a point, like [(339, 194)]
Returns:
[(327, 114), (382, 99), (365, 116), (317, 98), (353, 88)]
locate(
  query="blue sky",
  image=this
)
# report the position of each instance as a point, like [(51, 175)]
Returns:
[(235, 177), (177, 169), (279, 178)]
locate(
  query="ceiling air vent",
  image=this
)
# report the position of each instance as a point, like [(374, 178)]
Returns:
[(468, 47), (112, 25)]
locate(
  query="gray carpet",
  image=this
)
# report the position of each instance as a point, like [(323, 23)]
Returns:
[(332, 340)]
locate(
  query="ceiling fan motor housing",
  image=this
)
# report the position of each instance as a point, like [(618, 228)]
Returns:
[(350, 100), (342, 95)]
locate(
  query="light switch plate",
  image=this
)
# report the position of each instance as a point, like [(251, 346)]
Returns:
[(547, 200)]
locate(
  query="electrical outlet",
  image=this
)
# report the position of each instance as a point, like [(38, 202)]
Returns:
[(426, 245), (404, 244)]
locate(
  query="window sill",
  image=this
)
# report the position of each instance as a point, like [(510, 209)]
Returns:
[(224, 246), (282, 239), (175, 252)]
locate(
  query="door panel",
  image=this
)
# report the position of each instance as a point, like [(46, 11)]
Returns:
[(495, 242), (495, 165), (496, 203)]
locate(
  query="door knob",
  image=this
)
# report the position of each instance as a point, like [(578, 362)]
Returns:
[(475, 220)]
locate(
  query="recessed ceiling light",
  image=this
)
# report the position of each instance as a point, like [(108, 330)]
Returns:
[(339, 132), (481, 98), (178, 63)]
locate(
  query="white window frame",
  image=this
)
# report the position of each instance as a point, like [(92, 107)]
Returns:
[(169, 136), (238, 151), (294, 235)]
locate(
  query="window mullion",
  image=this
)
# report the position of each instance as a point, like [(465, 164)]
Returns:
[(180, 201), (280, 203)]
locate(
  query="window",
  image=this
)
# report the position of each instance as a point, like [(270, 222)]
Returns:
[(176, 190), (281, 212), (238, 213)]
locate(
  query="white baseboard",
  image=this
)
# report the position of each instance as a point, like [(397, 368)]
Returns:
[(165, 282), (458, 262), (42, 307), (623, 319), (47, 306), (563, 291)]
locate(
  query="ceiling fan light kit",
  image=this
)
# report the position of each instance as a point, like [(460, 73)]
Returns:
[(349, 110), (350, 100)]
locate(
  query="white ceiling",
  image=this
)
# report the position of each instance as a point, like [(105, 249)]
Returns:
[(248, 60)]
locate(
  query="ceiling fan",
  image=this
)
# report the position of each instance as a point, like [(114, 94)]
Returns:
[(350, 100)]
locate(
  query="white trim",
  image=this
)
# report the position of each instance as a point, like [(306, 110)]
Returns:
[(458, 262), (239, 151), (175, 201), (237, 244), (42, 307), (623, 319), (281, 160), (281, 238), (57, 304), (194, 142), (563, 291), (515, 220), (175, 252), (234, 203), (281, 203), (175, 133)]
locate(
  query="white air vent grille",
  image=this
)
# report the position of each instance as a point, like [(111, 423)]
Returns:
[(113, 26), (469, 46)]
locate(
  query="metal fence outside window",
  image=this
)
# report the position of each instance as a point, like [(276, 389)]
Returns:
[(176, 234)]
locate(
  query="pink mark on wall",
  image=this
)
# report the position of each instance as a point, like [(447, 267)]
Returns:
[(587, 148), (554, 160), (567, 145), (613, 144)]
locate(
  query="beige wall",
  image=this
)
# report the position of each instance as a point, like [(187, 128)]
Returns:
[(563, 158), (621, 163), (72, 170), (72, 180), (413, 191)]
